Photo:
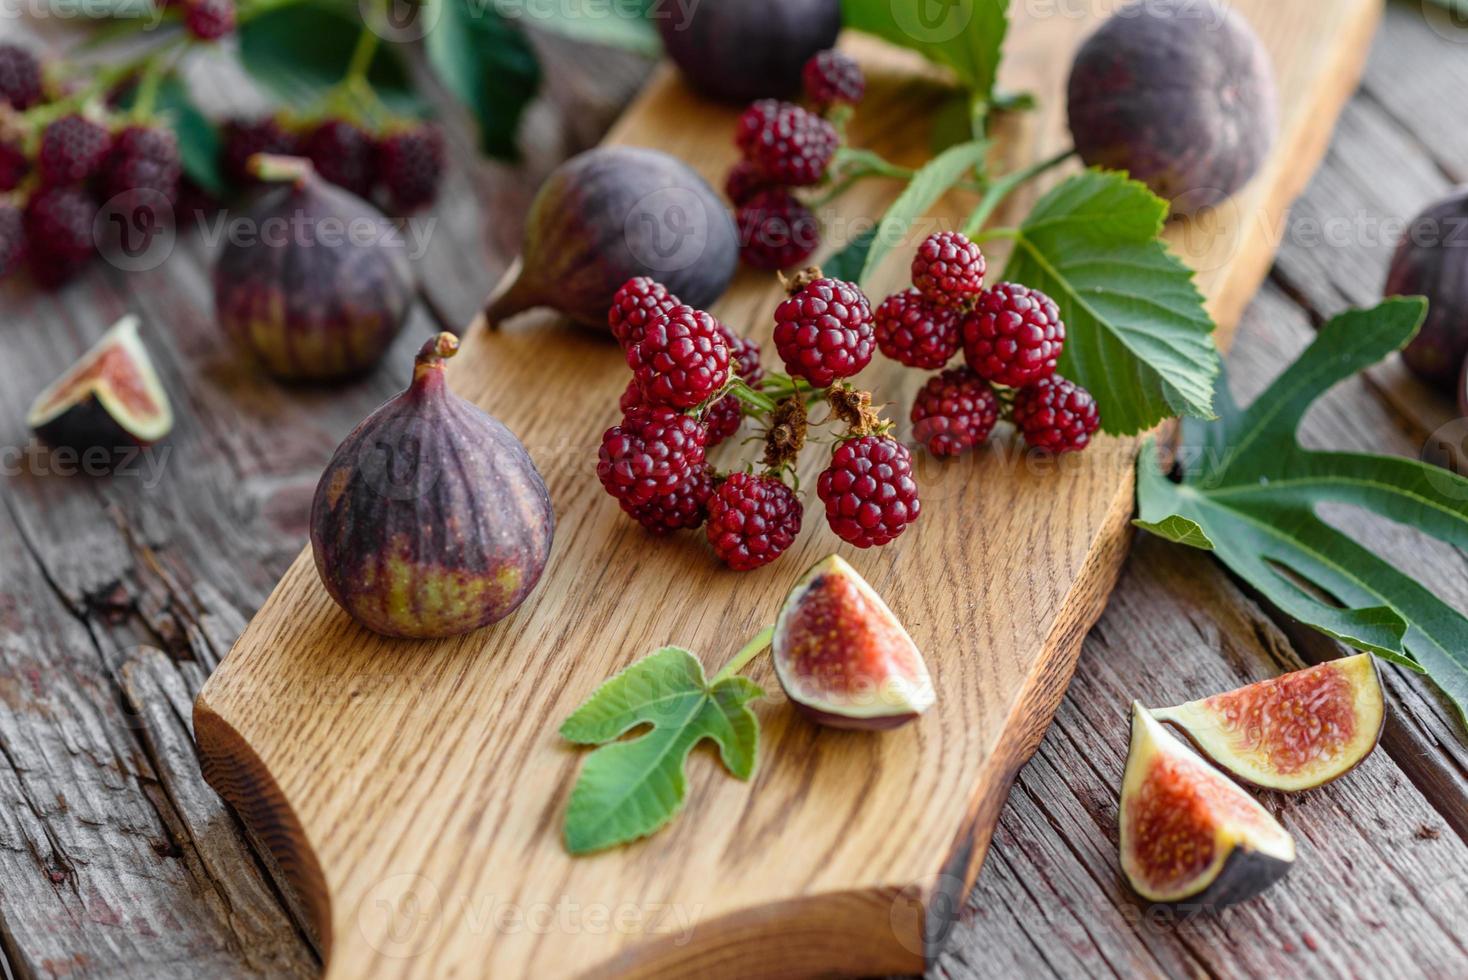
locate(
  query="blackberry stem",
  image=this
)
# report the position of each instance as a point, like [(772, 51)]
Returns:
[(1004, 186), (752, 649)]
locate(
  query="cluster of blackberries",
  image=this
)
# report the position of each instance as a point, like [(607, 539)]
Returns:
[(56, 174), (1010, 335), (403, 164), (784, 146), (679, 404)]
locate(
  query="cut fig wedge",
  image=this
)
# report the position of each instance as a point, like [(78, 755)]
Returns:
[(110, 398), (1292, 732), (841, 655), (1188, 832)]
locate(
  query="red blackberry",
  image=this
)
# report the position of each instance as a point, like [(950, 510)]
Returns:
[(209, 20), (650, 454), (743, 355), (832, 78), (824, 332), (682, 510), (948, 268), (12, 238), (632, 398), (785, 143), (14, 165), (954, 412), (343, 153), (913, 330), (1056, 414), (743, 183), (776, 231), (410, 165), (72, 149), (722, 419), (635, 305), (681, 360), (752, 520), (142, 158), (1014, 335), (868, 490), (20, 77), (243, 138), (58, 231)]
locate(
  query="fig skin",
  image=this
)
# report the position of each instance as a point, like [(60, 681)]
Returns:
[(1188, 109), (431, 519), (843, 658), (737, 51), (110, 398), (1234, 850), (612, 214), (1339, 705), (1432, 260), (316, 299)]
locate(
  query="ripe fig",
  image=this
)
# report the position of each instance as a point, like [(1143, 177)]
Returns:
[(1179, 94), (110, 398), (1188, 833), (430, 520), (1429, 262), (315, 284), (747, 49), (843, 658), (1292, 732), (612, 214)]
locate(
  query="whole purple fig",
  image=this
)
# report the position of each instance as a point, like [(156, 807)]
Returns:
[(1432, 260), (431, 520), (742, 50), (312, 280), (1180, 95), (612, 214)]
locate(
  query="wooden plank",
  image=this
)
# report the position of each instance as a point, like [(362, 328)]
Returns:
[(1380, 876), (455, 827)]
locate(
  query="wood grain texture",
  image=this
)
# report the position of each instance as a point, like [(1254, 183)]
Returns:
[(427, 780)]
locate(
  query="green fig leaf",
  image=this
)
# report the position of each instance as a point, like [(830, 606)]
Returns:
[(1137, 335), (632, 787), (965, 35), (1250, 491)]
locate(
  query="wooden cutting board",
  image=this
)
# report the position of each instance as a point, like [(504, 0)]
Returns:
[(413, 793)]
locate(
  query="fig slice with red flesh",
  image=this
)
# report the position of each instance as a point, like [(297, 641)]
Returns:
[(110, 398), (1292, 732), (843, 658), (1188, 832)]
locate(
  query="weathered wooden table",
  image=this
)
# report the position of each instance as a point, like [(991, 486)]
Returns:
[(118, 595)]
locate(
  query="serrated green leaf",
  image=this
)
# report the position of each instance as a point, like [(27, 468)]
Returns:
[(299, 52), (630, 788), (623, 25), (1137, 335), (1252, 490), (486, 61), (930, 183), (965, 35)]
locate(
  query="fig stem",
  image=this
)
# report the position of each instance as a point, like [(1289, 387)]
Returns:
[(752, 649), (279, 169), (433, 353)]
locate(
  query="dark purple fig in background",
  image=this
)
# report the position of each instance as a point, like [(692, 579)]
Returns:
[(1178, 93), (314, 282), (1432, 260), (843, 658), (1292, 732), (612, 214), (431, 520), (111, 398), (1188, 832), (741, 50)]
